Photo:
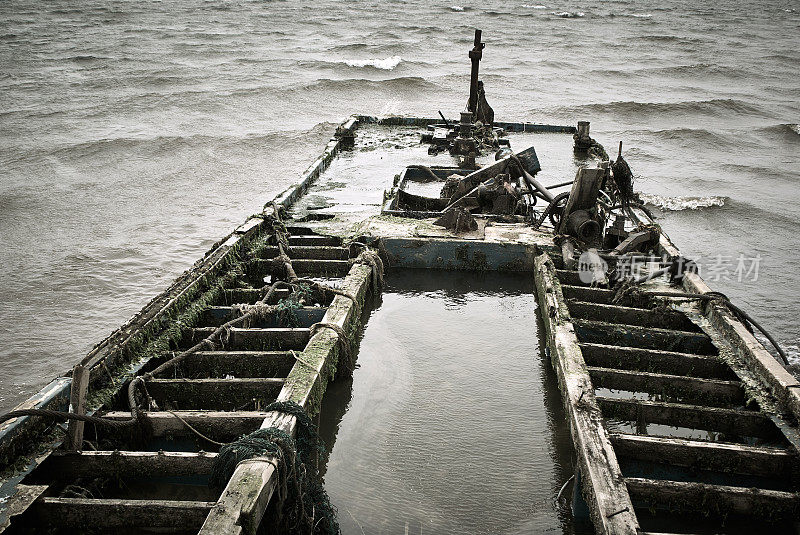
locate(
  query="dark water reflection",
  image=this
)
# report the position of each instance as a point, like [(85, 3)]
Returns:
[(452, 422)]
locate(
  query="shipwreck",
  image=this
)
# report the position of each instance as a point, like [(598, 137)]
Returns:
[(216, 384)]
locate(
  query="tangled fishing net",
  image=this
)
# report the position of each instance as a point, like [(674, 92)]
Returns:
[(302, 505)]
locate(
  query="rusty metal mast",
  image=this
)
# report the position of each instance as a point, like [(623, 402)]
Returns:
[(475, 55)]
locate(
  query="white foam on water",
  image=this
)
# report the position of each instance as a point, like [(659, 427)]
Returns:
[(534, 6), (457, 8), (386, 64), (792, 353), (569, 14), (796, 128), (676, 204)]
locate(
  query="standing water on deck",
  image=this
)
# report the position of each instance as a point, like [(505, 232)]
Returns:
[(452, 421)]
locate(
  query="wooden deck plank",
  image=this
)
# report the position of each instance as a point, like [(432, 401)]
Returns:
[(715, 456), (640, 317), (302, 317), (240, 364), (214, 424), (257, 268), (688, 389), (729, 421), (572, 277), (73, 465), (656, 361), (602, 296), (314, 241), (275, 338), (600, 332), (589, 294), (251, 295), (314, 252), (715, 499), (114, 513), (220, 394)]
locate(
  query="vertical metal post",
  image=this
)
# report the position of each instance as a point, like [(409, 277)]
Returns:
[(475, 55)]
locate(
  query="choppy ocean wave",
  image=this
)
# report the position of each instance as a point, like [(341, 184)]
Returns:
[(698, 137), (787, 131), (632, 15), (86, 58), (377, 48), (386, 64), (676, 204), (667, 38), (402, 83), (719, 107), (687, 72), (150, 144), (569, 14), (787, 59)]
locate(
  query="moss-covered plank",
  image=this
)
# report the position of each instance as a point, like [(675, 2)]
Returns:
[(258, 339), (68, 466), (235, 363), (216, 394), (80, 513), (658, 318), (219, 425), (248, 492), (305, 385), (245, 498), (656, 361), (600, 332)]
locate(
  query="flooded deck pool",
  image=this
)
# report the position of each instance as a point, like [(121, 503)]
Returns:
[(452, 422)]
